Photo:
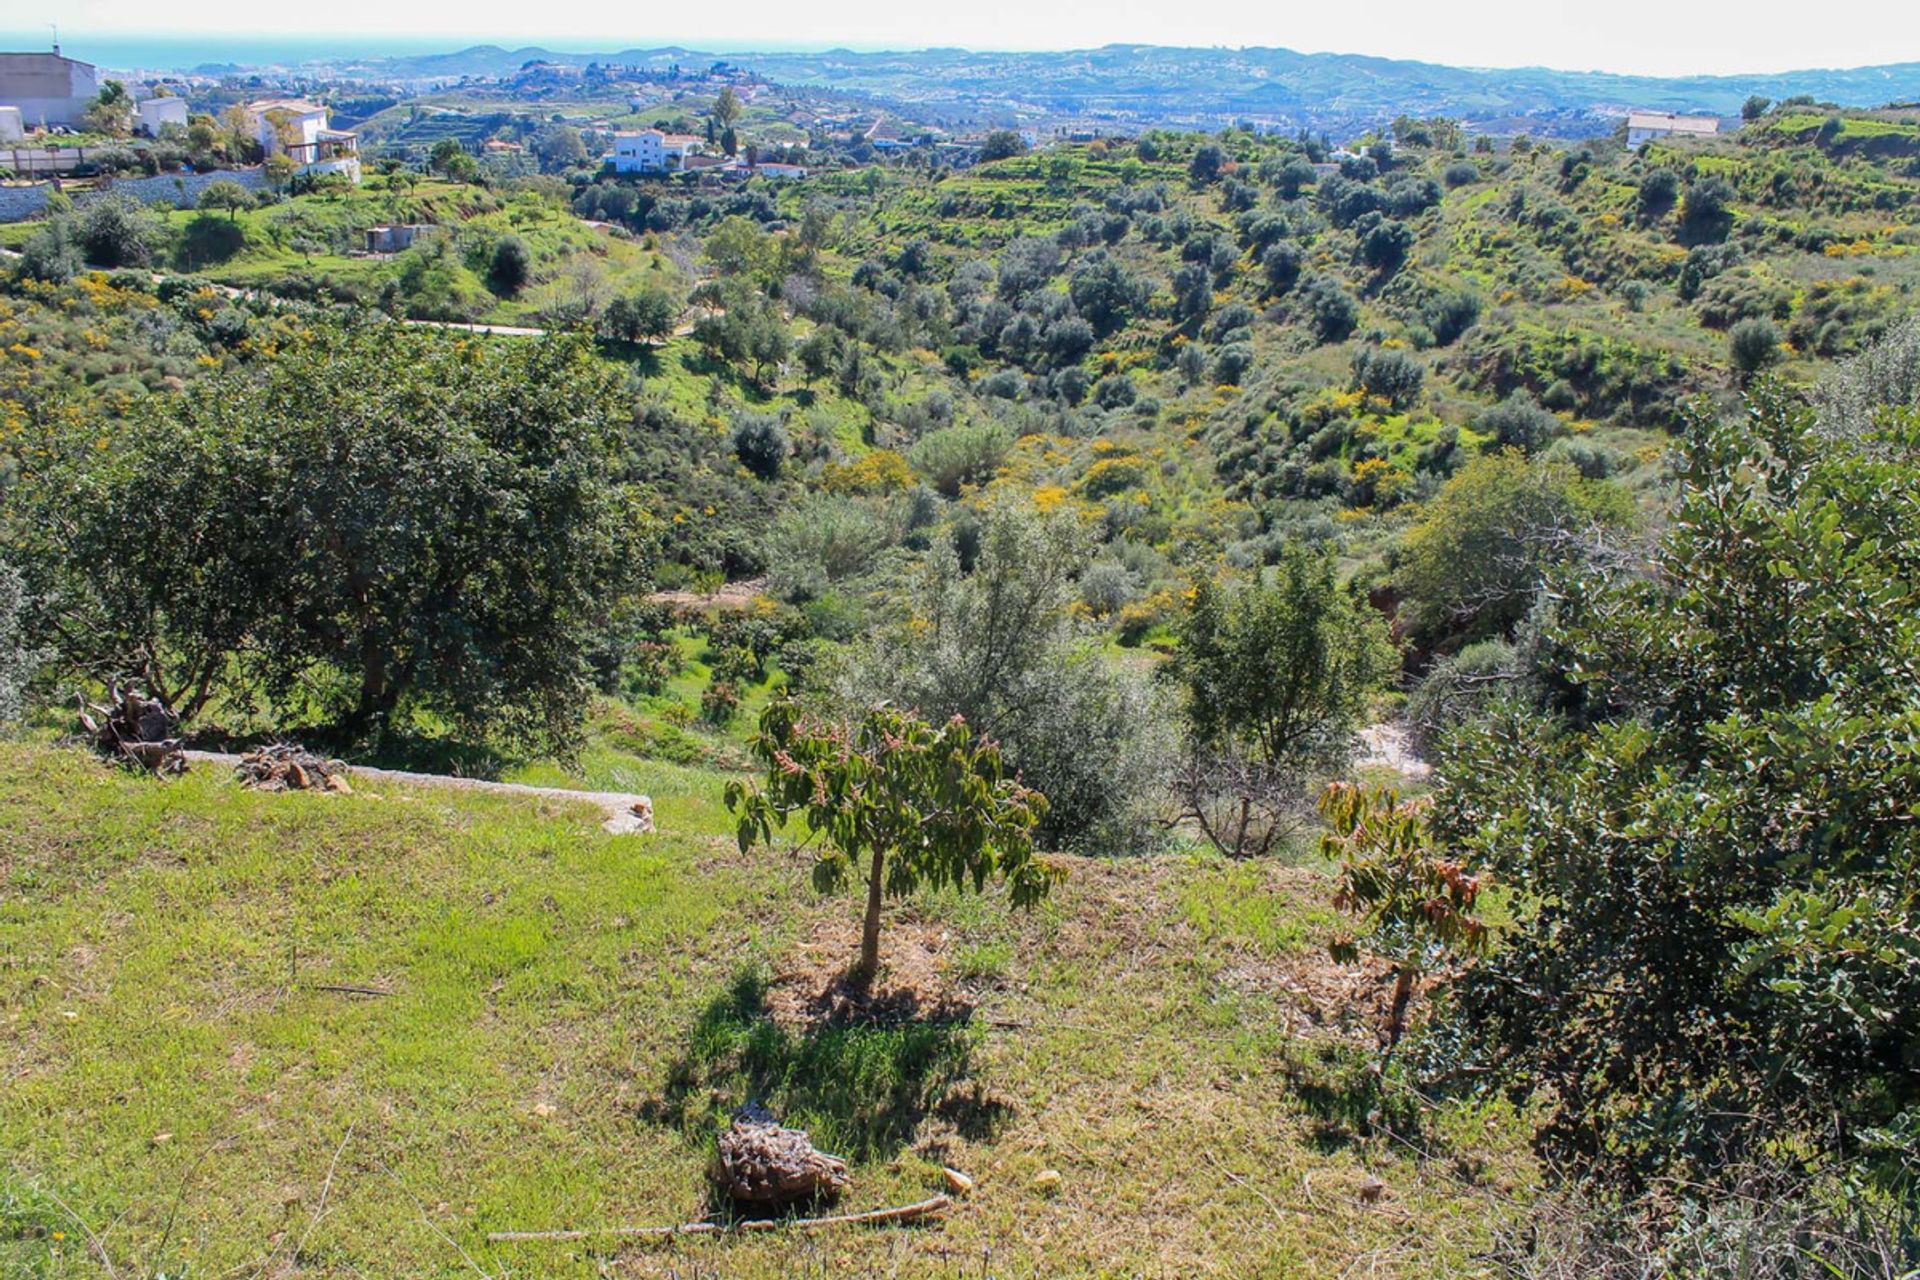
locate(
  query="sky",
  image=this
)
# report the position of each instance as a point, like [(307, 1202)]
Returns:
[(1654, 37)]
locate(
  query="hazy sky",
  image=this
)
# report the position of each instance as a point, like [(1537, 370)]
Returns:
[(1649, 36)]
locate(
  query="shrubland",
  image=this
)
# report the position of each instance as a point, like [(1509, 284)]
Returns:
[(1142, 477)]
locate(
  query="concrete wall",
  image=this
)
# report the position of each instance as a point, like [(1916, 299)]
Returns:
[(181, 190)]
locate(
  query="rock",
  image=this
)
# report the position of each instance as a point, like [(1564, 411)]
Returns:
[(957, 1182), (761, 1163), (1047, 1182)]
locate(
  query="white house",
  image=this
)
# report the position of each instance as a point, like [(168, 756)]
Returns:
[(1644, 126), (151, 115), (297, 129), (651, 151), (774, 169), (48, 88)]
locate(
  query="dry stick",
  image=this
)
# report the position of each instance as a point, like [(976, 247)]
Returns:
[(431, 1224), (186, 1180), (325, 1188), (346, 988), (99, 1247), (901, 1213)]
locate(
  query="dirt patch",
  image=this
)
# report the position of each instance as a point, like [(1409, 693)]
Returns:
[(811, 988), (731, 596)]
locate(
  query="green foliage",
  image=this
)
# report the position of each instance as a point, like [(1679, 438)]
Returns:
[(1753, 344), (1001, 144), (1391, 375), (1331, 310), (917, 805), (643, 316), (17, 662), (1282, 670), (117, 231), (996, 643), (1518, 422), (954, 457), (383, 516), (1472, 562), (760, 442), (1707, 217), (225, 194), (510, 267), (1414, 907), (1717, 947)]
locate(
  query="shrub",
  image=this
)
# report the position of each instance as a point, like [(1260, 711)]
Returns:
[(997, 645), (1331, 309), (1753, 344), (510, 267), (1281, 265), (1706, 218), (1461, 173), (118, 231), (720, 703), (760, 442), (954, 457), (1472, 563), (1519, 422), (1276, 677), (17, 662), (1394, 376)]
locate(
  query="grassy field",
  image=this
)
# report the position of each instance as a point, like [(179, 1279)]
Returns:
[(572, 1015)]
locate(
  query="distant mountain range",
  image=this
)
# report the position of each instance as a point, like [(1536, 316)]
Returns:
[(1158, 84)]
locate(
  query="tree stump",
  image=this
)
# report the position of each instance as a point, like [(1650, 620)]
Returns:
[(134, 728), (762, 1164)]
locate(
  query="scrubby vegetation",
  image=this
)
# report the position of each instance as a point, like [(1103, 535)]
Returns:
[(1077, 511)]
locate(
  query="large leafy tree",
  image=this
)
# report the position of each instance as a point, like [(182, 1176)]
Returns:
[(917, 805), (1716, 869), (377, 515)]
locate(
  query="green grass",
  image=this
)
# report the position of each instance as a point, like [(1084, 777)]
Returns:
[(570, 1015)]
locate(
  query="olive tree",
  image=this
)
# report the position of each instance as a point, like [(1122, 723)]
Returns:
[(897, 800)]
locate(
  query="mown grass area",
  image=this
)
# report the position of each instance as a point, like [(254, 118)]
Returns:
[(572, 1014)]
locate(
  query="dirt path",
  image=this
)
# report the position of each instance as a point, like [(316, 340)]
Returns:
[(1387, 744), (626, 813)]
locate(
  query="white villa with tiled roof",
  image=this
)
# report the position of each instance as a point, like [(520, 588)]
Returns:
[(298, 129)]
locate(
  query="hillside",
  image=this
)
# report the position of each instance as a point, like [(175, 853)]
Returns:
[(568, 1010), (1156, 85)]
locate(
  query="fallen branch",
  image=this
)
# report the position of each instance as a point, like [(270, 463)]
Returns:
[(347, 989), (900, 1213)]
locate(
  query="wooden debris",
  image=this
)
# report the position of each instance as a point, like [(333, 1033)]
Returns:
[(957, 1182), (760, 1163), (872, 1217), (286, 766), (134, 728)]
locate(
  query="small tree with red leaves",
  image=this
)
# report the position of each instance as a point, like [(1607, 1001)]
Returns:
[(917, 805), (1414, 907)]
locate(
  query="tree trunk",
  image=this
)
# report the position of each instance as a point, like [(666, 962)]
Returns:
[(1396, 1022), (870, 933)]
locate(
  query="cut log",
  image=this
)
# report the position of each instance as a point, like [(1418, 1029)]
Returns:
[(759, 1163)]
